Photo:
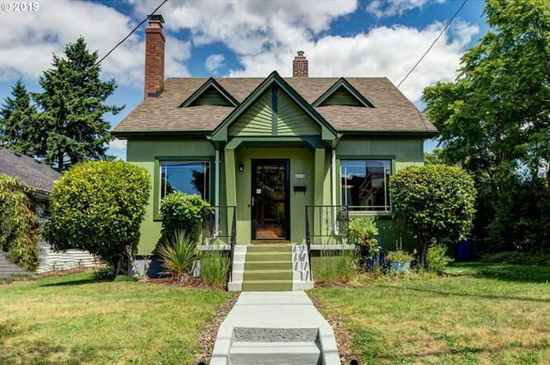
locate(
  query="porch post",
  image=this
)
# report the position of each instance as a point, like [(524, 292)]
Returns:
[(318, 191), (217, 191), (230, 183)]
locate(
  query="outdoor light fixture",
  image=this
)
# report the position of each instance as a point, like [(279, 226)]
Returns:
[(241, 167)]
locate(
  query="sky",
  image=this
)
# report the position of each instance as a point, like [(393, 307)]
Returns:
[(224, 38)]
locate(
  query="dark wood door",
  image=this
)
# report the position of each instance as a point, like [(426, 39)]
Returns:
[(270, 199)]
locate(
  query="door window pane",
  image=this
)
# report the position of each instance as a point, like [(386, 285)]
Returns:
[(365, 184), (190, 177)]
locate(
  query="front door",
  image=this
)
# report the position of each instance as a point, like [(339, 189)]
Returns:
[(270, 199)]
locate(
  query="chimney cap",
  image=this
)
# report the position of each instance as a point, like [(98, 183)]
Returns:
[(300, 53), (156, 18)]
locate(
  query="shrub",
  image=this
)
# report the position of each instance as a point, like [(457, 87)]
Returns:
[(437, 259), (178, 255), (435, 201), (214, 268), (98, 206), (363, 232), (19, 227), (105, 273), (182, 212), (335, 266), (399, 256)]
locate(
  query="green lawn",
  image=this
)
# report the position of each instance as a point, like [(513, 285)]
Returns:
[(76, 320), (483, 314)]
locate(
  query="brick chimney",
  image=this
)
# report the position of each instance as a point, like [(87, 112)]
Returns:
[(299, 65), (154, 56)]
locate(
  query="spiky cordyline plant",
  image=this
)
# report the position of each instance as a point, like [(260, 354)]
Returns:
[(178, 255)]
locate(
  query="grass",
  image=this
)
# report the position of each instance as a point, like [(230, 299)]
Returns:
[(332, 266), (481, 314), (75, 319)]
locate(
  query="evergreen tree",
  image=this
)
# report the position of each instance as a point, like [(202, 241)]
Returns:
[(19, 128), (73, 101)]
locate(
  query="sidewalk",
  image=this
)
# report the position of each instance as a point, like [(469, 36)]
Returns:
[(275, 328)]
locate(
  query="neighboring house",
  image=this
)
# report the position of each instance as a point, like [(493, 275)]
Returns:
[(41, 178), (272, 147)]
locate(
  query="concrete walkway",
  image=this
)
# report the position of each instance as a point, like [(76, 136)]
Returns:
[(275, 328)]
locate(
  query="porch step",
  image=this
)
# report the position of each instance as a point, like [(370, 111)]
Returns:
[(268, 265), (267, 285), (271, 353), (255, 275), (268, 256), (270, 248)]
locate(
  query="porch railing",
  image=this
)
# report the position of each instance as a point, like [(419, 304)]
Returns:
[(327, 224)]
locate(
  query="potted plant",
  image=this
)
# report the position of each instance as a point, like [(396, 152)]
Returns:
[(400, 261)]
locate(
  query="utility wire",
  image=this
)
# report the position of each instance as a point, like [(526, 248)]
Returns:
[(129, 34), (112, 49), (433, 43)]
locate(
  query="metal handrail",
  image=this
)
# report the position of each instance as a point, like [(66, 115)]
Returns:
[(232, 243), (308, 245)]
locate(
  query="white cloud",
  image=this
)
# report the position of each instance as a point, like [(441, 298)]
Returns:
[(214, 62), (387, 8), (118, 144), (383, 51), (266, 35), (30, 39)]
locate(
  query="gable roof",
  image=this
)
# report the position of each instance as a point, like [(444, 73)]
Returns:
[(393, 112), (33, 173), (220, 132), (346, 87), (207, 88)]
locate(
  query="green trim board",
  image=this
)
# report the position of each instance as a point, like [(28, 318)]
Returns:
[(221, 132), (156, 179), (350, 97), (210, 93)]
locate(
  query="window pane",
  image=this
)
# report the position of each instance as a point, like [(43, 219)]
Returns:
[(365, 184), (189, 177)]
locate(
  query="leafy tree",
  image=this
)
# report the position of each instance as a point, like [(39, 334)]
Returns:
[(495, 118), (73, 100), (19, 127), (19, 227), (435, 201), (98, 206)]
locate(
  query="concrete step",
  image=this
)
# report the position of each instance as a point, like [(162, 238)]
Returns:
[(268, 256), (254, 275), (268, 265), (267, 285), (271, 353)]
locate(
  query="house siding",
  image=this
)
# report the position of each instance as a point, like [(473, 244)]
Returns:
[(145, 153), (257, 121), (403, 152), (291, 120)]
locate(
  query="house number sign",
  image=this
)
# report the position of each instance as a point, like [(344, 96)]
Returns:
[(300, 176)]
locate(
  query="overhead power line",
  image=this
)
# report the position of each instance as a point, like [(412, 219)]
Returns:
[(433, 43), (130, 34)]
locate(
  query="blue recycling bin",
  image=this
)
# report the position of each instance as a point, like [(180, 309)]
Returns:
[(464, 250)]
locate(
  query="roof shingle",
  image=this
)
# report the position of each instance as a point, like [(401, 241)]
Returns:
[(392, 111), (33, 173)]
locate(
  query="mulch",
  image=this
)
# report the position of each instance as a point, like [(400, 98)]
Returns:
[(342, 334), (210, 331)]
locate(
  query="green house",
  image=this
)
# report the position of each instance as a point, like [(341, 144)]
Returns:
[(283, 160)]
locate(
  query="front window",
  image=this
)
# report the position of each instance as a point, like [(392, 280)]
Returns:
[(365, 185), (190, 177)]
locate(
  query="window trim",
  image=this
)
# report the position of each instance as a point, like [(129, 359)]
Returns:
[(157, 176), (340, 158)]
